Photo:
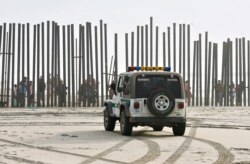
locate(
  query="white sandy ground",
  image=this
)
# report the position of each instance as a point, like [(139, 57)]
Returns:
[(76, 135)]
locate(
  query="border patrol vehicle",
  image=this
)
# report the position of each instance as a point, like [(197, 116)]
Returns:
[(147, 96)]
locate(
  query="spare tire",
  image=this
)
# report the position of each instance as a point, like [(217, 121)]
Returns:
[(161, 102)]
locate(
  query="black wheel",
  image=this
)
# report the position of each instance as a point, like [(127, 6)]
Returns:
[(161, 102), (109, 122), (179, 129), (157, 128), (125, 125)]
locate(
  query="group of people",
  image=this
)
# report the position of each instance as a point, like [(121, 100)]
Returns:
[(87, 91), (25, 88), (234, 92)]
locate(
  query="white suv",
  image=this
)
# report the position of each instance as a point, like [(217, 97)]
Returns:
[(147, 96)]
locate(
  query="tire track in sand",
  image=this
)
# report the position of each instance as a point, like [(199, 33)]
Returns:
[(152, 153), (224, 157)]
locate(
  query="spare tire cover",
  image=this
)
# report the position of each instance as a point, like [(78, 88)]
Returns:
[(160, 102)]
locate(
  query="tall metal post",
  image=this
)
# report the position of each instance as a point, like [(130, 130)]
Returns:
[(142, 46), (9, 60), (3, 62), (64, 59), (132, 49), (206, 71), (13, 56), (126, 50), (49, 87), (43, 62), (180, 47), (28, 52), (138, 46), (174, 45), (200, 67), (194, 72), (248, 75), (34, 58), (72, 61), (96, 63), (146, 44), (116, 57), (164, 48), (69, 84), (151, 41), (106, 59), (209, 73), (23, 50), (184, 50), (244, 69), (53, 77), (80, 64), (156, 46), (88, 58), (83, 65), (169, 47), (188, 56), (101, 54), (38, 61)]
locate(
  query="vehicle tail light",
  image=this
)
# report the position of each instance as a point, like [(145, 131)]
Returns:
[(136, 105), (181, 105)]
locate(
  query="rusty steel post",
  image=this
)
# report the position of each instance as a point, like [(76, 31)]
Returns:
[(132, 49), (101, 56), (13, 56), (64, 59), (151, 41), (180, 47), (126, 51), (69, 81), (184, 50), (194, 71), (106, 59), (188, 56), (34, 58), (72, 62), (138, 46), (244, 69), (116, 58), (48, 64), (146, 44), (169, 48), (9, 60), (96, 63), (164, 48), (156, 46), (174, 46), (206, 69), (142, 46)]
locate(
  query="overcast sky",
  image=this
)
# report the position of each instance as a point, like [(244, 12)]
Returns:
[(221, 18)]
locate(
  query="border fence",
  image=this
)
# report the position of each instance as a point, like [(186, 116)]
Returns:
[(48, 64)]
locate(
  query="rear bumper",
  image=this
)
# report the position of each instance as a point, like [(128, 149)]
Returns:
[(160, 121)]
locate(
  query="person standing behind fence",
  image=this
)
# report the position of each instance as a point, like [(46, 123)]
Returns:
[(239, 90), (188, 94), (232, 93), (41, 90), (22, 89), (91, 90), (14, 96), (30, 94), (219, 92), (61, 92)]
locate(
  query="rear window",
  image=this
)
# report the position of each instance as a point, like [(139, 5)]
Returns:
[(145, 84)]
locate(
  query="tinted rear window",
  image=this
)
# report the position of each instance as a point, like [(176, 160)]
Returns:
[(145, 84)]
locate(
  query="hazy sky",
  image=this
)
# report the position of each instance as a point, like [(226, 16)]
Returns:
[(221, 18)]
